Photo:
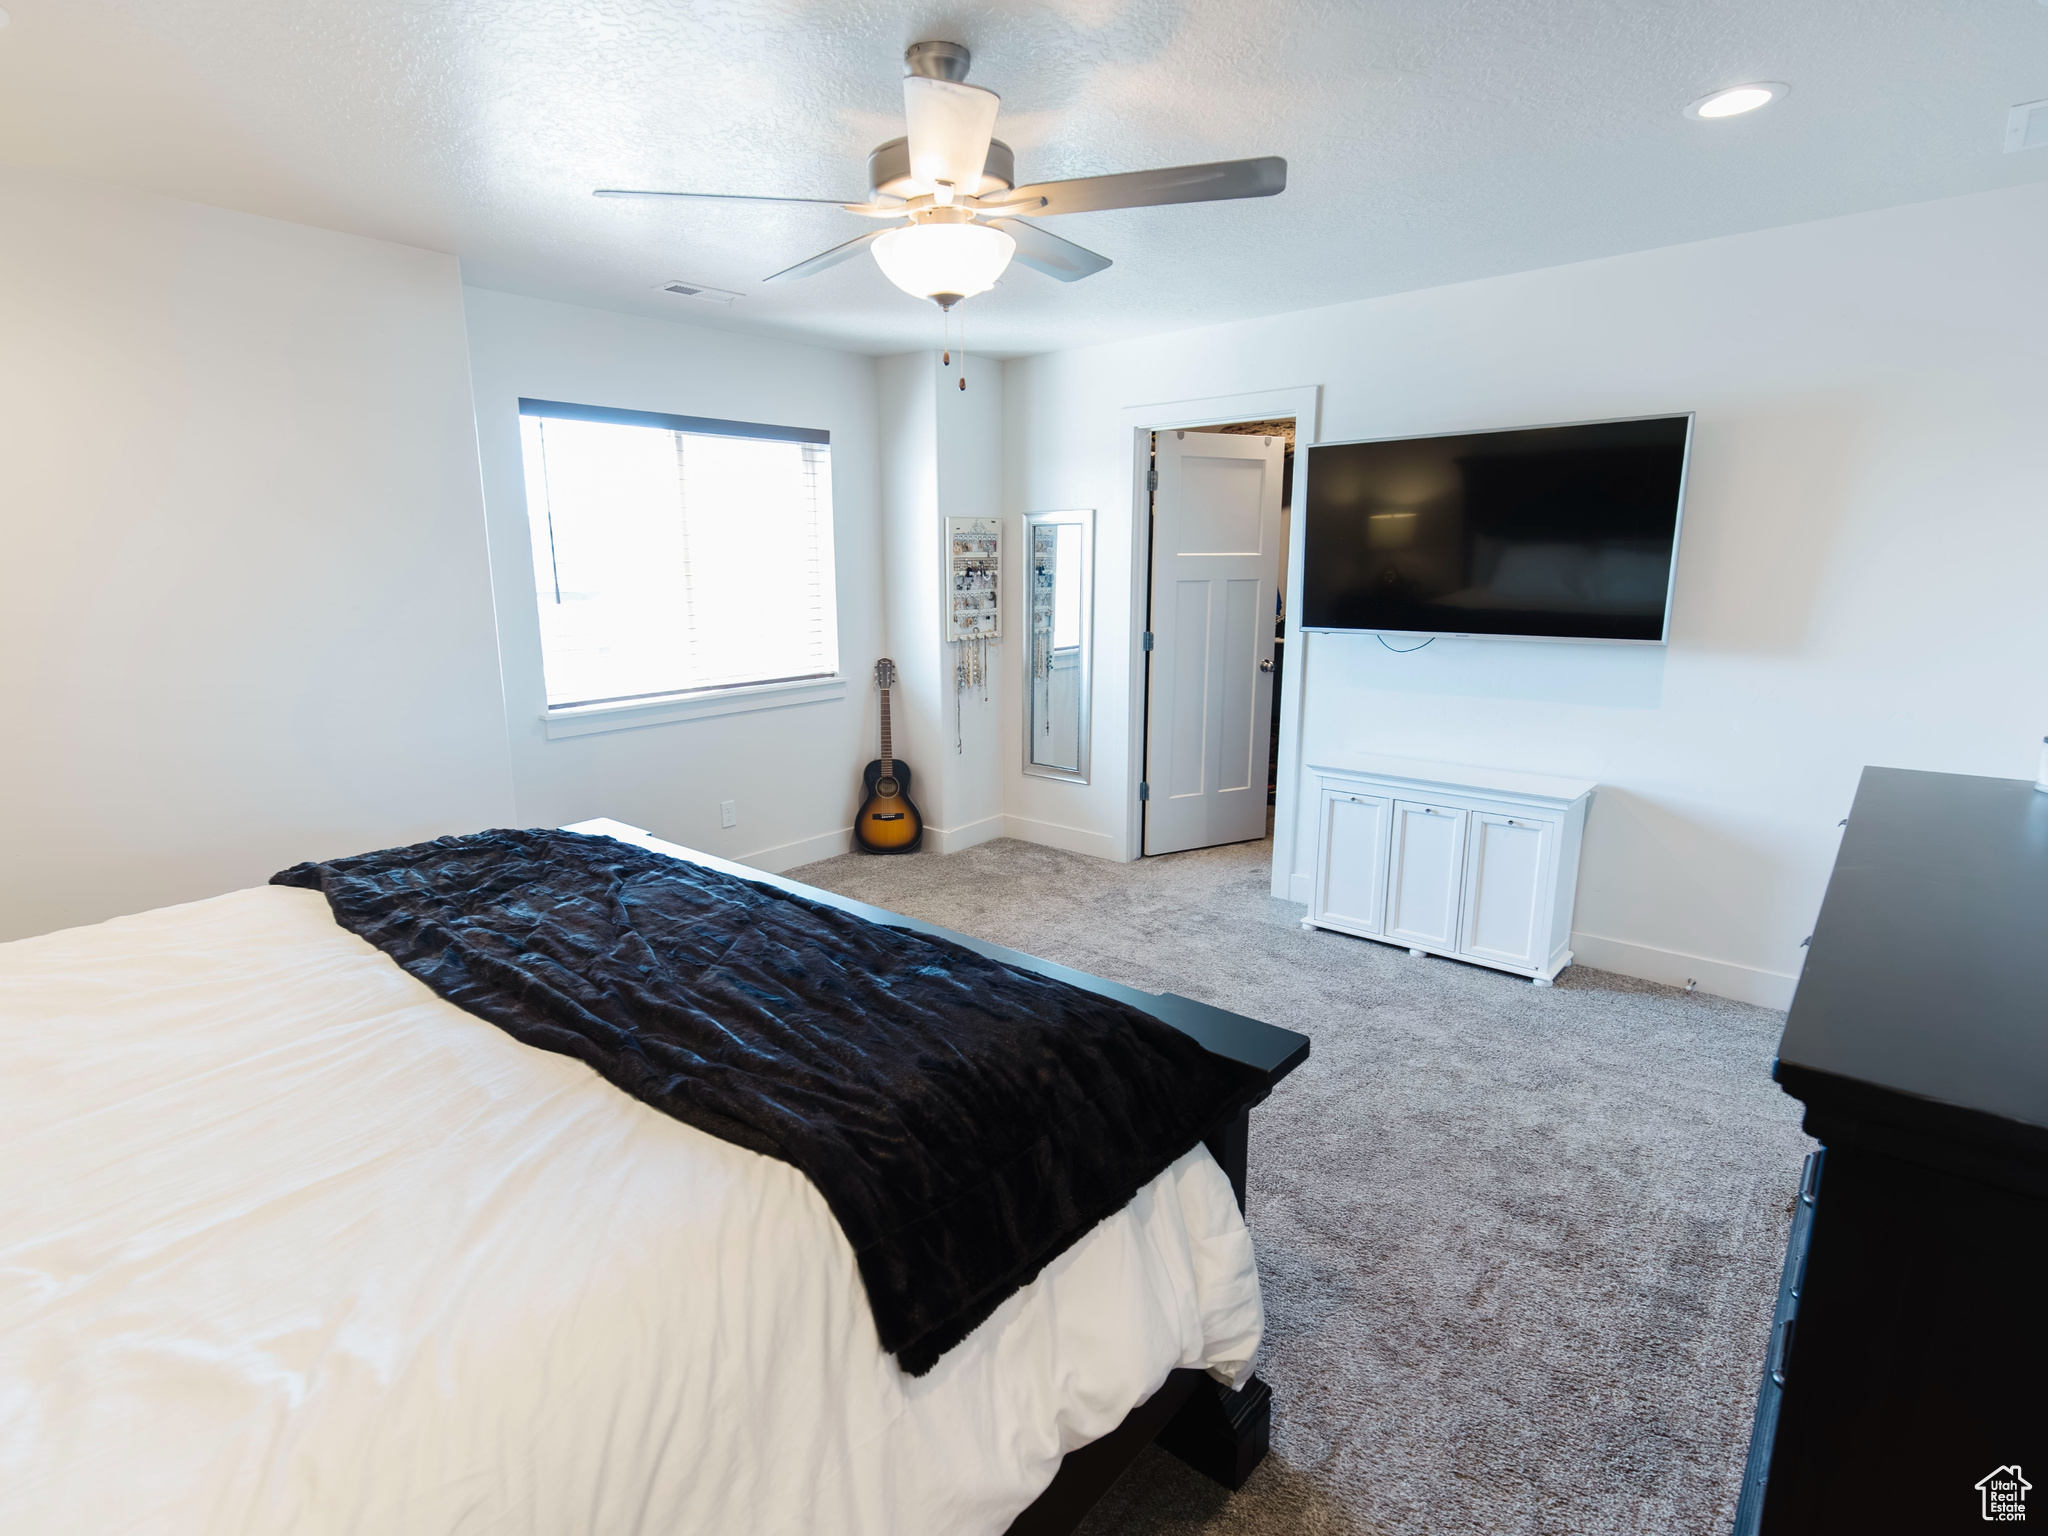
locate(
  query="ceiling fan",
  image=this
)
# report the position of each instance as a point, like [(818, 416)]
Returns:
[(953, 186)]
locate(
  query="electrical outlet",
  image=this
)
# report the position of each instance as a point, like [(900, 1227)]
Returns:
[(728, 813)]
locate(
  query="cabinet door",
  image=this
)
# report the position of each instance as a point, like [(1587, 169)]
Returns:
[(1425, 873), (1507, 882), (1351, 861)]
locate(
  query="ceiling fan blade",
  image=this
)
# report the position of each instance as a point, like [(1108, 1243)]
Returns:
[(1048, 253), (744, 197), (1213, 183), (950, 126), (824, 259)]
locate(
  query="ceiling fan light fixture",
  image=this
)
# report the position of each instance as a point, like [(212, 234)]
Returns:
[(889, 171), (944, 262), (950, 128)]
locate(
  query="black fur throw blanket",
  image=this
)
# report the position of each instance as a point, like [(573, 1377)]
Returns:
[(965, 1121)]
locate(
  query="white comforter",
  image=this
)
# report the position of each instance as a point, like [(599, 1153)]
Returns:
[(287, 1244)]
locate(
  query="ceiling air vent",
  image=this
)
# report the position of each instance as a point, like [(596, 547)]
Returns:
[(703, 293), (2026, 126)]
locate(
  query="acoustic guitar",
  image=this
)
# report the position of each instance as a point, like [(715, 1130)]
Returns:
[(888, 822)]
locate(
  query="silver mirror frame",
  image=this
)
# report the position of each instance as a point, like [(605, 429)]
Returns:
[(1086, 671)]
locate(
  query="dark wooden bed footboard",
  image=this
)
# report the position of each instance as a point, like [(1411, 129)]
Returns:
[(1222, 1434)]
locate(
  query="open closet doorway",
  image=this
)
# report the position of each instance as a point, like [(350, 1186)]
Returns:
[(1216, 536)]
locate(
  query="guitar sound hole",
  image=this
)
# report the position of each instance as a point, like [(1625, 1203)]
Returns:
[(886, 788)]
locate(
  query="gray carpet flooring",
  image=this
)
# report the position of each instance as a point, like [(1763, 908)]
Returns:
[(1519, 1247)]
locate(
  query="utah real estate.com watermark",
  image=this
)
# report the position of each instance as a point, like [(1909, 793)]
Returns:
[(2004, 1493)]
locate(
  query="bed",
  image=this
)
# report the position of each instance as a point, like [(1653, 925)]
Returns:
[(290, 1243)]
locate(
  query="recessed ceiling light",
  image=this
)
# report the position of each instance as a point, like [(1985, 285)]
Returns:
[(1737, 99)]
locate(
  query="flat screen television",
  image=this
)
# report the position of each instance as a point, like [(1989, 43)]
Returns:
[(1548, 533)]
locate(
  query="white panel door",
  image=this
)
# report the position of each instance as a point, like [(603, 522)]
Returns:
[(1506, 883), (1351, 861), (1425, 874), (1208, 716)]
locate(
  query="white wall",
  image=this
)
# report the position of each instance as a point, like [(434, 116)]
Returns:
[(247, 616), (793, 772), (941, 457), (1860, 580), (907, 411), (970, 460)]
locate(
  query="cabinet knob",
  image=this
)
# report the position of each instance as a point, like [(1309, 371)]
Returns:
[(1266, 666)]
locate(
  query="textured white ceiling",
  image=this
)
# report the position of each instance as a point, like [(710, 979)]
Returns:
[(1429, 141)]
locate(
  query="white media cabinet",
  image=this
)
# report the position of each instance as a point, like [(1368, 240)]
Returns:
[(1478, 864)]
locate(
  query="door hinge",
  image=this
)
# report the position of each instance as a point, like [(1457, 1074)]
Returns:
[(1151, 479), (1148, 639), (1144, 790)]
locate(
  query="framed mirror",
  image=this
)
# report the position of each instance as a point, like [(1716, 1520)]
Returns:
[(1059, 606)]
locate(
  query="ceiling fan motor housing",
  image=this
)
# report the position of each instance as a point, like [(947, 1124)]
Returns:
[(938, 61), (889, 170)]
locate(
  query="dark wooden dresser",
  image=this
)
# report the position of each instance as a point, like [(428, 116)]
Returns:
[(1907, 1385)]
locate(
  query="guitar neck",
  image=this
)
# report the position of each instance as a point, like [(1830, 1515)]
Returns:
[(888, 761)]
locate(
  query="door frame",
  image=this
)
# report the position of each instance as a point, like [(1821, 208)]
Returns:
[(1304, 404)]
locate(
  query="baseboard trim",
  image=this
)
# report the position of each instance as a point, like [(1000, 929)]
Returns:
[(1098, 845), (1673, 967), (807, 850), (954, 839)]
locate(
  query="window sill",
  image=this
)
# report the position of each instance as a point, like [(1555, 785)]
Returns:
[(632, 715)]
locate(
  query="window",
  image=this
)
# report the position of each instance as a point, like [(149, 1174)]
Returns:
[(675, 555)]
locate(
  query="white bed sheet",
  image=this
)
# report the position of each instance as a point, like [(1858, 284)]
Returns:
[(288, 1244)]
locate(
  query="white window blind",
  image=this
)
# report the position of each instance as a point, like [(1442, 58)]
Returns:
[(674, 555)]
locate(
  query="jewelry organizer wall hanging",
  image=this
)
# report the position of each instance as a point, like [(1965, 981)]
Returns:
[(974, 617)]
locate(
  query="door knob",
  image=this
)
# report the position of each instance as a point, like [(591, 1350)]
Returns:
[(1266, 666)]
